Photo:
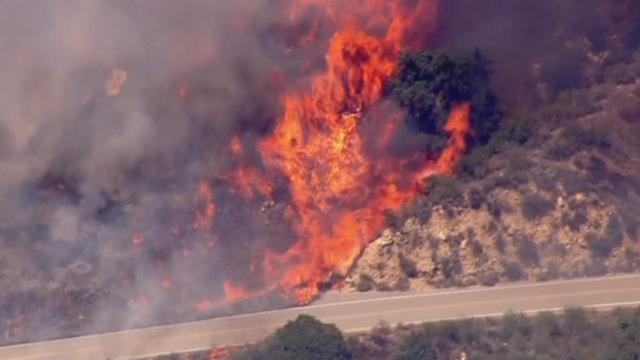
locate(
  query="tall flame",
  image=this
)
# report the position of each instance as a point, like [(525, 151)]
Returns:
[(338, 192), (338, 189)]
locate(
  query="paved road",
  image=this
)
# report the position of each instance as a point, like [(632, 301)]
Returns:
[(350, 312)]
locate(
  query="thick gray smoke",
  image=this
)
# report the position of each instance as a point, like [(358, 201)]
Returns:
[(81, 171), (56, 119)]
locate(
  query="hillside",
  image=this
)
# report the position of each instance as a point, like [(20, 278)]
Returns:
[(560, 199)]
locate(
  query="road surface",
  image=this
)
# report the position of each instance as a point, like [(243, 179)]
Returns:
[(350, 312)]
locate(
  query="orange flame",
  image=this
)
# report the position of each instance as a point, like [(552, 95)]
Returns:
[(205, 208), (137, 240), (166, 281), (116, 81), (246, 180), (338, 190), (235, 293), (458, 126), (183, 91), (236, 146), (220, 353)]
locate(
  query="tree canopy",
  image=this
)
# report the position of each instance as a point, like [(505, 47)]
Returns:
[(428, 84), (305, 338)]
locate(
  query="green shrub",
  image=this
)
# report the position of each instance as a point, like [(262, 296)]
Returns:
[(550, 271), (614, 230), (492, 227), (443, 190), (408, 266), (306, 339), (574, 221), (629, 111), (476, 198), (500, 243), (534, 206), (517, 129), (527, 250), (602, 246), (365, 283), (495, 209), (575, 138), (597, 169), (515, 324), (575, 321), (513, 271), (428, 85), (631, 220), (547, 324), (474, 165), (417, 345)]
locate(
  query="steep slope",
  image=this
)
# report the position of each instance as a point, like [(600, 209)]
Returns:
[(564, 204)]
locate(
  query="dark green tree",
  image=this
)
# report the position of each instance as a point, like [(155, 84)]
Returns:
[(428, 85), (306, 338)]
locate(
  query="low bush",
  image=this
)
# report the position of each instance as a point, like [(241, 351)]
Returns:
[(614, 230), (551, 271), (629, 111), (597, 169), (365, 283), (578, 137), (575, 220), (515, 324), (602, 246), (631, 222), (534, 206), (417, 345), (305, 338), (443, 190), (513, 271), (500, 243), (476, 198), (408, 266), (527, 250), (474, 164), (495, 209)]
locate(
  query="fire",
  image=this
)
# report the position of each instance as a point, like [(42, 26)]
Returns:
[(458, 127), (235, 293), (116, 81), (137, 240), (236, 146), (337, 189), (183, 91), (205, 208), (165, 278), (247, 182), (220, 353), (339, 193)]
